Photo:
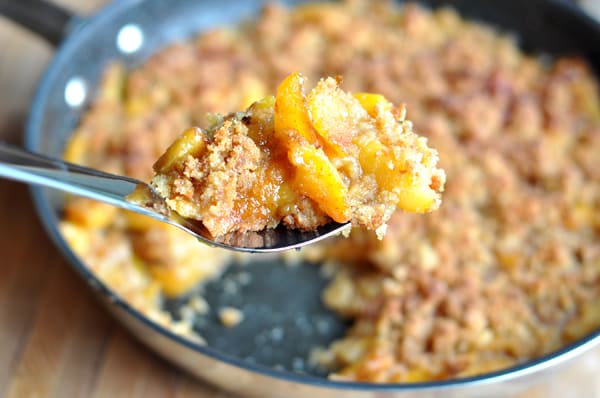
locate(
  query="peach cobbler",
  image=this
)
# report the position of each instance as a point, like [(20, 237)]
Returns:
[(301, 161), (506, 270)]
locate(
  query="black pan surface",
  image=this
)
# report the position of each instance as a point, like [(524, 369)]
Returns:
[(284, 317)]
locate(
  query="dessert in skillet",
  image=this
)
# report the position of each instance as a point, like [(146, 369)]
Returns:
[(505, 271), (301, 161)]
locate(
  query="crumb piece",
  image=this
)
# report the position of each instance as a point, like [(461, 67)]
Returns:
[(230, 316), (199, 305)]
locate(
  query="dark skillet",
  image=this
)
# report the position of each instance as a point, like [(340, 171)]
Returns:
[(264, 355)]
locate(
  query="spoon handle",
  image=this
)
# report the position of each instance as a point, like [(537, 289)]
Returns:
[(28, 167)]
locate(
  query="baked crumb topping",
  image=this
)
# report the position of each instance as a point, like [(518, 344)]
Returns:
[(301, 161)]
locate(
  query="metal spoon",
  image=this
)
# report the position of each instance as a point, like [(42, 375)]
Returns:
[(24, 166)]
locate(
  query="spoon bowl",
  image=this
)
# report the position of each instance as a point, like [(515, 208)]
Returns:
[(134, 195)]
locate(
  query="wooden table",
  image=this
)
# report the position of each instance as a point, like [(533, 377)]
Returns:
[(55, 339)]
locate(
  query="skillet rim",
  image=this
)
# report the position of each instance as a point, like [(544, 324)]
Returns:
[(85, 27)]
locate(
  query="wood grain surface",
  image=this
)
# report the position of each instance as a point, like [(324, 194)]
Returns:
[(55, 338)]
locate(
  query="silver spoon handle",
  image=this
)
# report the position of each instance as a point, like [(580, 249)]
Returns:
[(24, 166), (28, 167)]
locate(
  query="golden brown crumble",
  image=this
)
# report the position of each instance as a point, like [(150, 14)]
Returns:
[(301, 161)]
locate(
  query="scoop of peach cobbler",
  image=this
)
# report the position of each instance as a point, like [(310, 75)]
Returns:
[(301, 161)]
